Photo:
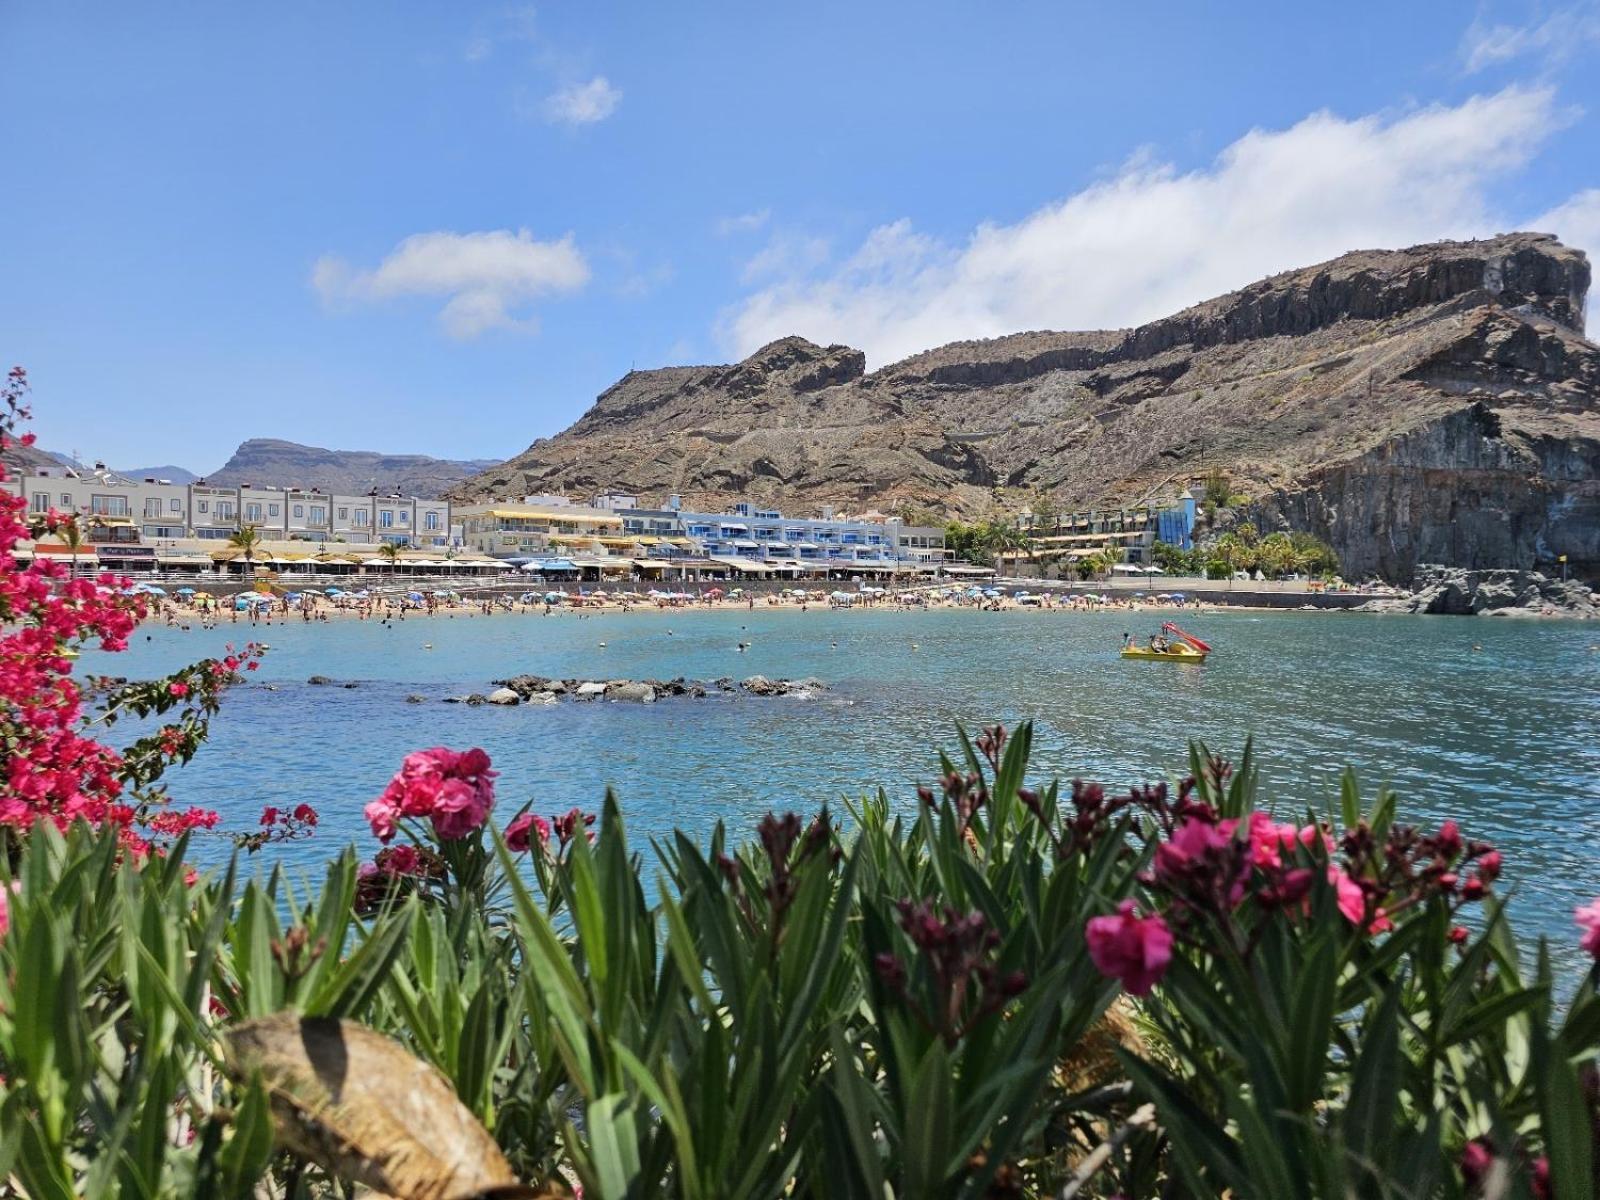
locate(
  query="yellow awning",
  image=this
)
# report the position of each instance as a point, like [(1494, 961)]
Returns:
[(98, 519), (647, 541)]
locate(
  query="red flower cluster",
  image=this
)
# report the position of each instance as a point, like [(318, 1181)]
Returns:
[(453, 789), (52, 771)]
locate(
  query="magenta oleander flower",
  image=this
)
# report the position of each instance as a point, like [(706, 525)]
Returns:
[(1131, 948), (1268, 839), (525, 830), (1477, 1156), (453, 790), (1588, 918), (1352, 900), (402, 860), (381, 815)]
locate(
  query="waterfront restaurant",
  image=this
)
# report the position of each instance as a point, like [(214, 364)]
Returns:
[(503, 529)]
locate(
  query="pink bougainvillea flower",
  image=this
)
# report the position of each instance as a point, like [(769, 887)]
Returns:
[(178, 689), (1130, 948)]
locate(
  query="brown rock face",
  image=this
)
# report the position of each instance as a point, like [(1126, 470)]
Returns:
[(1436, 404)]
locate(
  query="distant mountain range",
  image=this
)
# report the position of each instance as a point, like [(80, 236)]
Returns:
[(269, 462), (350, 472)]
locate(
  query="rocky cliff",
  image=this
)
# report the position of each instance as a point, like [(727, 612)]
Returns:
[(265, 461), (1433, 404)]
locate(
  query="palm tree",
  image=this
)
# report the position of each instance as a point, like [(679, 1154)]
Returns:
[(248, 539), (72, 538), (1002, 541), (1278, 554), (391, 553)]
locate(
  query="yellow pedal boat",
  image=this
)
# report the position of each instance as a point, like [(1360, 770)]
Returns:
[(1177, 652)]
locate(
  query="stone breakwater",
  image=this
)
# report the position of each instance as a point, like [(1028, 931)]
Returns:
[(540, 689), (1454, 591)]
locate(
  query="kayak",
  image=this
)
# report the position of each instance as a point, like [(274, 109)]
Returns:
[(1178, 652)]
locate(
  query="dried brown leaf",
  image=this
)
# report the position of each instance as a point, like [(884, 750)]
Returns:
[(365, 1109)]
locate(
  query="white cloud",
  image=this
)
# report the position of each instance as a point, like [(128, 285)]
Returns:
[(1565, 33), (743, 222), (485, 276), (786, 254), (1151, 239), (582, 103)]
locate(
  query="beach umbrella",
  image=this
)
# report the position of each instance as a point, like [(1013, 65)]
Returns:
[(413, 595), (312, 591), (185, 591), (1177, 596)]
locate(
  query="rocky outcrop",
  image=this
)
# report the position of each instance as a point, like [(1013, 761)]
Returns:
[(270, 462), (1453, 591), (1432, 404), (648, 691)]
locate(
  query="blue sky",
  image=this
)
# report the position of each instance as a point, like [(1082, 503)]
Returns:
[(445, 228)]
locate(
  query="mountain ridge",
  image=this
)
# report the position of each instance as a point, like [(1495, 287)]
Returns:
[(282, 463), (1339, 397)]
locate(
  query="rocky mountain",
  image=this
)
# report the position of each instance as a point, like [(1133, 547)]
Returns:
[(1436, 404), (351, 472)]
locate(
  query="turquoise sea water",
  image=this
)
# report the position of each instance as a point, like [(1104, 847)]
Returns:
[(1504, 738)]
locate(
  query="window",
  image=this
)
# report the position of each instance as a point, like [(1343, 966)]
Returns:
[(386, 518), (203, 505), (252, 512), (344, 514), (299, 512), (109, 506), (405, 517), (361, 518), (152, 506), (272, 510), (225, 510), (66, 499), (319, 514), (431, 521), (41, 502), (175, 505)]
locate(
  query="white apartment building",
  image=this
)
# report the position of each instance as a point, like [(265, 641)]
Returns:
[(150, 511)]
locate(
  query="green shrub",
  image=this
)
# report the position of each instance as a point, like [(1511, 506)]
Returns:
[(925, 1003)]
